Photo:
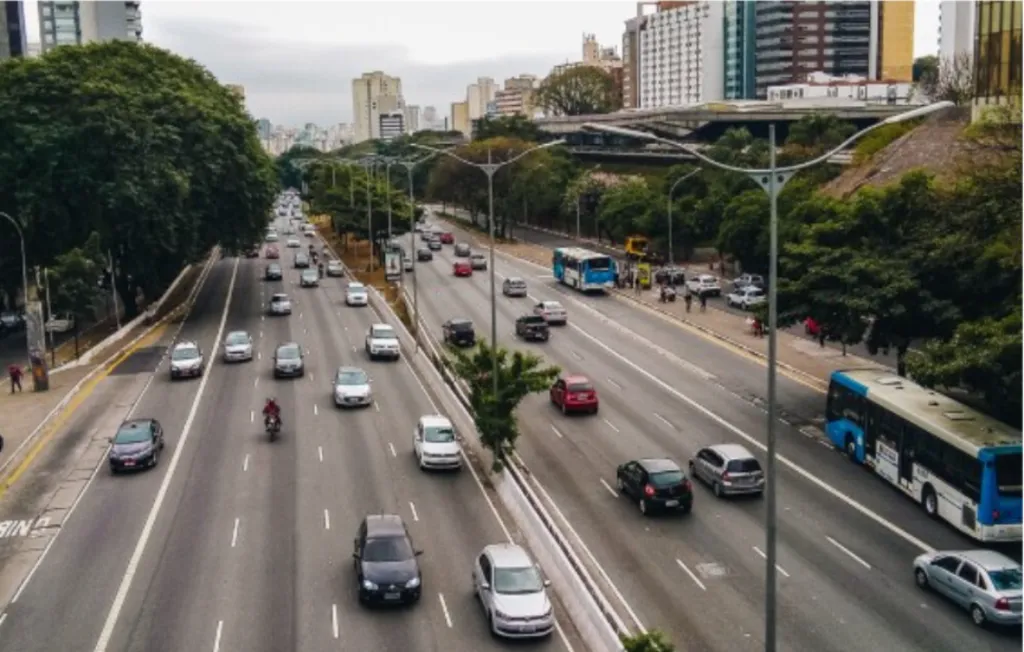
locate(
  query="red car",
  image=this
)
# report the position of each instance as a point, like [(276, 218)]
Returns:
[(272, 252), (447, 238), (462, 268), (574, 394)]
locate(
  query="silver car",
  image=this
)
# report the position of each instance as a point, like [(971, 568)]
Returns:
[(984, 582), (514, 287), (309, 278), (186, 360), (280, 304), (478, 261), (237, 347), (512, 592), (288, 361), (352, 387), (729, 469), (356, 295)]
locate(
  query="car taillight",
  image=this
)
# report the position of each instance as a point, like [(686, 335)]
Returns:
[(725, 476), (1003, 604), (648, 490)]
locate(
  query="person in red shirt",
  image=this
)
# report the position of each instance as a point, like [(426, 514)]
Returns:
[(15, 373)]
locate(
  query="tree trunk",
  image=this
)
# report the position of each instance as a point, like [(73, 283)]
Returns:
[(901, 360)]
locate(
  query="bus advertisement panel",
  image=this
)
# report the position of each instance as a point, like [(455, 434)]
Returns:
[(959, 464), (586, 271)]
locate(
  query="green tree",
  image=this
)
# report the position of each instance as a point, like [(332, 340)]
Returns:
[(289, 174), (650, 641), (952, 80), (624, 209), (519, 374), (153, 154), (74, 282), (926, 66), (516, 126), (582, 90)]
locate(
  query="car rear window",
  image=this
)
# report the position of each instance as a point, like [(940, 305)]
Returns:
[(743, 466), (1005, 579), (462, 326), (516, 283), (534, 320), (664, 479), (581, 387)]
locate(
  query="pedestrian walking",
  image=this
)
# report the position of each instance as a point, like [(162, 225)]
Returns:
[(15, 373), (688, 299), (703, 296)]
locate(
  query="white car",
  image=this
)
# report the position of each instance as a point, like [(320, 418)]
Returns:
[(293, 243), (512, 592), (280, 304), (552, 312), (746, 297), (352, 387), (60, 324), (382, 342), (407, 264), (705, 284), (186, 360), (237, 347), (356, 295), (435, 445)]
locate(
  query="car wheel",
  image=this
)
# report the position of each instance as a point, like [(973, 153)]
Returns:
[(565, 410), (977, 615), (156, 459), (717, 488), (921, 578), (930, 502)]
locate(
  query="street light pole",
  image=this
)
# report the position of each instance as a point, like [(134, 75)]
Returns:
[(24, 273), (369, 218), (772, 181), (671, 257), (387, 177)]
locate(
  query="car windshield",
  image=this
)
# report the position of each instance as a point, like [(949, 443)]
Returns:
[(356, 288), (279, 297), (754, 293), (387, 549), (309, 273), (1005, 579), (439, 434), (238, 338), (552, 306), (478, 256), (581, 387), (185, 353), (288, 352), (516, 282), (352, 377), (384, 333), (666, 478), (517, 580), (534, 320), (133, 434), (301, 257)]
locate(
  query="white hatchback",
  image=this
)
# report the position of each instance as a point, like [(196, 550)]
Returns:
[(356, 295), (435, 445)]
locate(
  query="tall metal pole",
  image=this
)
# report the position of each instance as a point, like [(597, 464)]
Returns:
[(387, 176), (771, 529), (49, 311), (490, 169), (412, 248), (113, 287), (577, 217), (369, 220), (671, 191), (24, 273)]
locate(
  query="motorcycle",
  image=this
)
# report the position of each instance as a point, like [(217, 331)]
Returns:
[(273, 427), (667, 294)]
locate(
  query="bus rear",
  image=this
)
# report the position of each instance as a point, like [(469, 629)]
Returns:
[(1000, 502), (597, 273)]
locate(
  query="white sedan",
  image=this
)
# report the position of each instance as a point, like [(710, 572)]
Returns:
[(746, 297), (356, 295)]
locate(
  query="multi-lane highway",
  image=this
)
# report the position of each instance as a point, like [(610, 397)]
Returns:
[(236, 543), (846, 541)]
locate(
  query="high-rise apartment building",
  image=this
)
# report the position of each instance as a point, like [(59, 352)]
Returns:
[(460, 118), (740, 50), (13, 40), (392, 125), (430, 118), (479, 95), (682, 55), (956, 28), (892, 40), (76, 23), (631, 61), (412, 118), (517, 98), (373, 94), (997, 55)]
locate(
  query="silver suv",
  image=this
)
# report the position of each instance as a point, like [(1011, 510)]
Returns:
[(186, 360), (729, 469)]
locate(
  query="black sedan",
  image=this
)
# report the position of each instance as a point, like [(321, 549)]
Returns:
[(386, 568), (657, 484), (533, 328), (423, 254), (136, 445), (458, 332)]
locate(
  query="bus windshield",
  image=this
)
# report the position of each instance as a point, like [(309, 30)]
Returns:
[(1008, 473)]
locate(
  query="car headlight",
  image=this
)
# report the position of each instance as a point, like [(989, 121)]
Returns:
[(413, 583), (501, 614), (369, 586)]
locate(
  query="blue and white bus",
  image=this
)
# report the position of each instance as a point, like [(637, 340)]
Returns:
[(957, 463), (582, 269)]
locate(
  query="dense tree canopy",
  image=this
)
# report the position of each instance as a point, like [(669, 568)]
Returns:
[(289, 174), (582, 90), (507, 126), (142, 147)]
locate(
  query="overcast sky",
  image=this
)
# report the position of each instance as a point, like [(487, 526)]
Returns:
[(297, 59)]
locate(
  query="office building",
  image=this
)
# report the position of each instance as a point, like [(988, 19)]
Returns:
[(740, 50), (630, 61), (997, 55), (892, 40), (392, 125), (412, 118), (13, 40), (681, 55), (517, 98), (373, 94), (956, 28), (77, 23), (479, 95), (460, 118), (594, 55), (430, 118)]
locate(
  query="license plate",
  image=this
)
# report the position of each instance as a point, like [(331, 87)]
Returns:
[(529, 629), (392, 596), (671, 503), (129, 463)]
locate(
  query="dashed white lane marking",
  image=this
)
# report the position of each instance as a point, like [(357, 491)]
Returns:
[(245, 463), (259, 355), (444, 608), (334, 620), (234, 534), (376, 406), (664, 420), (614, 384), (316, 410), (310, 374), (256, 382), (261, 334), (555, 430), (692, 576), (764, 556), (609, 488), (216, 638), (3, 617), (252, 416), (354, 349), (849, 552), (320, 452), (327, 520), (611, 425), (412, 508), (392, 447), (576, 355)]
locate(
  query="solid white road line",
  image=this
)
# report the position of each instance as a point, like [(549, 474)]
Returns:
[(412, 507), (234, 534), (609, 488), (764, 556), (334, 620), (147, 528), (555, 430), (392, 447), (3, 617), (664, 420), (327, 520), (849, 552), (245, 463), (444, 608), (216, 638), (576, 355), (320, 452), (611, 425), (256, 382), (692, 576), (252, 416)]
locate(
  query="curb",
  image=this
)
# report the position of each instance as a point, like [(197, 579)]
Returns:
[(18, 453)]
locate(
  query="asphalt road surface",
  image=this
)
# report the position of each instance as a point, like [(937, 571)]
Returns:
[(846, 540), (237, 543)]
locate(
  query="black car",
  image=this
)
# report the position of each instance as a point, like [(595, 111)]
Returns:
[(288, 361), (386, 568), (656, 484), (458, 332), (273, 273), (670, 276), (252, 252), (533, 327), (136, 445), (423, 254), (462, 250), (301, 261)]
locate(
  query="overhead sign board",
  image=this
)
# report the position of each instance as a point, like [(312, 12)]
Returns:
[(393, 265)]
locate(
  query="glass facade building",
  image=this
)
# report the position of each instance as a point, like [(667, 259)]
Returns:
[(740, 26), (997, 53)]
